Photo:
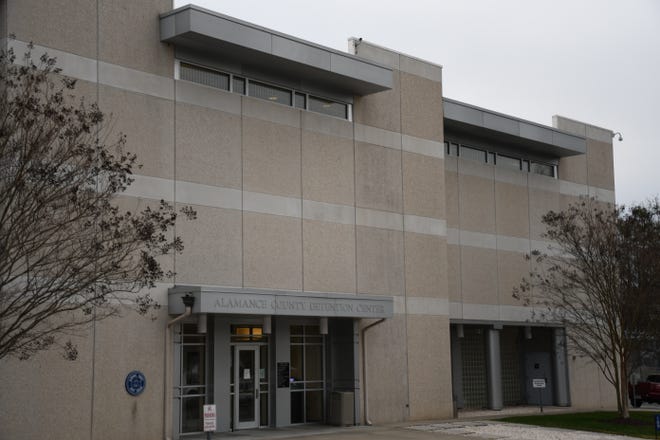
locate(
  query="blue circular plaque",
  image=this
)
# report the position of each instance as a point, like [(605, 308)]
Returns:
[(135, 383)]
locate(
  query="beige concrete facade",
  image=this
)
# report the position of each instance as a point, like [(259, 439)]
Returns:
[(296, 201)]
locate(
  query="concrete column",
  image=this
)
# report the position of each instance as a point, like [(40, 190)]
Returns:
[(562, 396), (221, 366), (494, 370), (282, 403), (356, 373), (457, 368)]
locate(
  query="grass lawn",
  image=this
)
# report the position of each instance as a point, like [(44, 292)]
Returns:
[(641, 423)]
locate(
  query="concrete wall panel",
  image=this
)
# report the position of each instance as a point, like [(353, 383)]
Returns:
[(387, 386), (382, 110), (213, 249), (573, 169), (540, 203), (272, 249), (600, 164), (512, 210), (46, 391), (479, 275), (271, 158), (426, 268), (327, 170), (123, 345), (451, 197), (454, 273), (148, 124), (430, 392), (329, 257), (423, 180), (512, 267), (65, 25), (208, 145), (379, 261), (421, 107), (588, 388), (477, 204), (378, 178), (130, 36)]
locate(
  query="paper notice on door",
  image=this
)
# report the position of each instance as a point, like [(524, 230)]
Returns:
[(262, 373), (246, 374)]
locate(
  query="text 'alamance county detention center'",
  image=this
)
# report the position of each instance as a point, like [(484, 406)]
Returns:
[(287, 305)]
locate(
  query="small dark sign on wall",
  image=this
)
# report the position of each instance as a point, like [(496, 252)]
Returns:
[(282, 375)]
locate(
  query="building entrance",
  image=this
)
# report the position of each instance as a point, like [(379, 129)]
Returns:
[(249, 377), (246, 400)]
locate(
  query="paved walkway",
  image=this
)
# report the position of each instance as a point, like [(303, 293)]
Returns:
[(509, 431), (470, 425), (455, 430)]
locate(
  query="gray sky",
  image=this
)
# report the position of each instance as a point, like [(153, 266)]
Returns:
[(596, 61)]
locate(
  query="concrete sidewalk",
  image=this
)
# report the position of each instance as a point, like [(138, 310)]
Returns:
[(470, 425)]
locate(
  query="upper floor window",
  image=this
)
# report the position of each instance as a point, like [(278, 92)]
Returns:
[(262, 90), (200, 75), (501, 160)]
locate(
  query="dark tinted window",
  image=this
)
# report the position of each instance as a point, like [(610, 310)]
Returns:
[(270, 93), (324, 106), (204, 76)]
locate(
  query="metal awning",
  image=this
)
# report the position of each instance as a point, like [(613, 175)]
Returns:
[(463, 118), (218, 35)]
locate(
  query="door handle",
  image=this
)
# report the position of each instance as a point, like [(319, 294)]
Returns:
[(256, 392)]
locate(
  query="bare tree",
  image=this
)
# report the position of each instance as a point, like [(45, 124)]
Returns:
[(68, 254), (600, 280)]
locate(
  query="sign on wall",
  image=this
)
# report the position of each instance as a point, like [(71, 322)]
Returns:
[(135, 383), (209, 418), (282, 375), (538, 383), (284, 303)]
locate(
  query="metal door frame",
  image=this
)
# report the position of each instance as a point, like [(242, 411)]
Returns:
[(257, 416)]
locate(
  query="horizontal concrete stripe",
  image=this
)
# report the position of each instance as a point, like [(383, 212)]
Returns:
[(573, 189), (513, 244), (136, 81), (605, 195), (72, 65), (151, 188), (377, 136), (272, 112), (229, 198), (208, 97), (489, 312), (328, 212), (323, 124), (421, 68), (473, 239), (425, 225), (535, 181), (113, 75), (270, 204), (500, 242), (423, 146), (197, 194), (416, 305), (599, 134), (379, 219)]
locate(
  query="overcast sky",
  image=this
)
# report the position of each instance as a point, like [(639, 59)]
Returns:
[(596, 61)]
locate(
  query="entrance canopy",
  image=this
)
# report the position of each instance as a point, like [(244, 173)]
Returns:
[(225, 300)]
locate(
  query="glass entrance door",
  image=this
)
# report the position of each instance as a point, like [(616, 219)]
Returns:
[(246, 399)]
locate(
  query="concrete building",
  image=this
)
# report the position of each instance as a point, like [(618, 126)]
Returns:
[(357, 240)]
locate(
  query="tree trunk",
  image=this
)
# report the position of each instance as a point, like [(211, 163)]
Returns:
[(623, 389)]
